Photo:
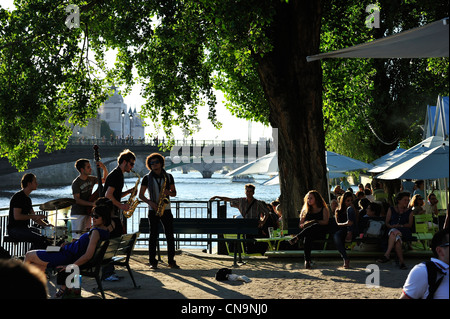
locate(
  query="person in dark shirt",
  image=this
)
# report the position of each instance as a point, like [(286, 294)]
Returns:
[(314, 218), (345, 218), (113, 189), (20, 213)]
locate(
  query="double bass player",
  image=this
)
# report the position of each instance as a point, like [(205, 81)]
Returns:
[(82, 187)]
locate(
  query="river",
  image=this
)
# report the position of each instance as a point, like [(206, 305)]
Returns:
[(190, 186)]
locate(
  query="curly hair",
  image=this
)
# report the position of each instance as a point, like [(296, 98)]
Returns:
[(155, 156)]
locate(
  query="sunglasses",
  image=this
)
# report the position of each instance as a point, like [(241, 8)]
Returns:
[(444, 245), (95, 216), (155, 162)]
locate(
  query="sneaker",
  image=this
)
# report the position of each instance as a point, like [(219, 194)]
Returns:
[(113, 277), (403, 266), (153, 266)]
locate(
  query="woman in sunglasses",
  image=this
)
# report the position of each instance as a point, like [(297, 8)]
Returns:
[(80, 251)]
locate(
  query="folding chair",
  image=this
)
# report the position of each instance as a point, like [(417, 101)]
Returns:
[(424, 229)]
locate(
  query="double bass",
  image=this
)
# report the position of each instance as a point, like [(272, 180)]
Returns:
[(95, 195)]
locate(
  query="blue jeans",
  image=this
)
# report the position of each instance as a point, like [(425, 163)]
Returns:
[(339, 241)]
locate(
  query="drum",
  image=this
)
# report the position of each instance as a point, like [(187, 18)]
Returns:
[(50, 231), (47, 232), (61, 231)]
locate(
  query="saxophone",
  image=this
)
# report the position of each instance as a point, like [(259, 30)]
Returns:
[(133, 201), (162, 200)]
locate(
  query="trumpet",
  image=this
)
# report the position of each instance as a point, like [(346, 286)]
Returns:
[(133, 202)]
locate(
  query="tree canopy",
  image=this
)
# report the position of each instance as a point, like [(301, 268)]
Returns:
[(371, 106), (53, 77), (47, 84)]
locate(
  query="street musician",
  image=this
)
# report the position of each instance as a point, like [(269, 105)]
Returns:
[(82, 187), (20, 213)]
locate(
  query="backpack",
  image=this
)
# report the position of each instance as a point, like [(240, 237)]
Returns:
[(270, 220), (375, 229), (222, 274), (433, 284)]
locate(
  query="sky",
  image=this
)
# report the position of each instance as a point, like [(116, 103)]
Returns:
[(232, 127)]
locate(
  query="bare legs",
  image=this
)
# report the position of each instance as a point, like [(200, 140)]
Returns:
[(394, 242), (32, 259)]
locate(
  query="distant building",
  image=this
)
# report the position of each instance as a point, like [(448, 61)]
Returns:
[(123, 121)]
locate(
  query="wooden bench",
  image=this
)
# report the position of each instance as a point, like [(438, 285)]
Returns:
[(183, 227), (294, 229), (116, 251)]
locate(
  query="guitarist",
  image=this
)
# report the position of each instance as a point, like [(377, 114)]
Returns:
[(82, 187)]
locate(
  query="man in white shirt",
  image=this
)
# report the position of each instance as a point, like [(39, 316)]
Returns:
[(248, 206), (417, 284)]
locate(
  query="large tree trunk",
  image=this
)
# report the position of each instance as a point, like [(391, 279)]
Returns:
[(293, 88)]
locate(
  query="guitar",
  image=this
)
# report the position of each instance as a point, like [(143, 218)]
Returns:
[(95, 195)]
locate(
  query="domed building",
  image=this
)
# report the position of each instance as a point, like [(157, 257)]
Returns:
[(123, 121)]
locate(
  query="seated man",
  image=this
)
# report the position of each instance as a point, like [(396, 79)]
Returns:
[(250, 208), (20, 213)]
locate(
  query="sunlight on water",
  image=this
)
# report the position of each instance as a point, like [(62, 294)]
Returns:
[(191, 186)]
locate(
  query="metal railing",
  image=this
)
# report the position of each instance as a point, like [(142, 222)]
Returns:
[(73, 140), (180, 209)]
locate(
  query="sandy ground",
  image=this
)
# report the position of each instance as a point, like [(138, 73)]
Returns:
[(271, 278)]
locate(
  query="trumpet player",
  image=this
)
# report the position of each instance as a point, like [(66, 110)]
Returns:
[(159, 186)]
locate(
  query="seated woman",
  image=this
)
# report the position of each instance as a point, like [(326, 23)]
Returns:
[(78, 252), (346, 221), (399, 221), (313, 222), (417, 204)]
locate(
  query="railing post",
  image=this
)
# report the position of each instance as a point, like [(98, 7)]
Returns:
[(221, 213)]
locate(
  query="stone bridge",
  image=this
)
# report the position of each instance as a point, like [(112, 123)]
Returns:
[(203, 156)]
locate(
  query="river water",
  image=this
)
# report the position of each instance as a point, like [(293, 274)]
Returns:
[(190, 186)]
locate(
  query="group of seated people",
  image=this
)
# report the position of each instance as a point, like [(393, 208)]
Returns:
[(350, 216)]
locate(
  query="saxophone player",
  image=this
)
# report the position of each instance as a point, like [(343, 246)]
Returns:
[(113, 190), (160, 186)]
